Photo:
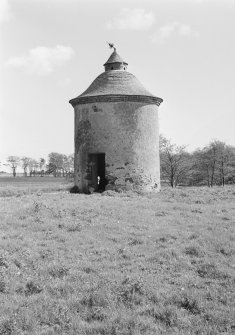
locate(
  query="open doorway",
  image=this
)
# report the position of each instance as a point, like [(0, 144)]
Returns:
[(96, 163)]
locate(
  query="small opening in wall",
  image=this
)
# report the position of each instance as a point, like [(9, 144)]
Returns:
[(97, 180), (124, 68), (112, 68)]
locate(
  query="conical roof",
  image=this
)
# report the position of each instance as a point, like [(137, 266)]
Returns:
[(116, 82), (114, 86), (115, 58)]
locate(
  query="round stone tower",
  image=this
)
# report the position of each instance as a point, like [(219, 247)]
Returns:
[(116, 133)]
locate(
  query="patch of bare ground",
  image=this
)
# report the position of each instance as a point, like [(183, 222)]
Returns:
[(118, 263)]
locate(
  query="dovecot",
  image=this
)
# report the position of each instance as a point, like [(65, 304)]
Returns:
[(116, 133)]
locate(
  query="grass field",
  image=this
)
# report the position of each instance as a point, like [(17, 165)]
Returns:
[(19, 186), (116, 263)]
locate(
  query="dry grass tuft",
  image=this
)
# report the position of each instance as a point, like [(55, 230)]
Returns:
[(209, 270), (194, 251), (32, 288)]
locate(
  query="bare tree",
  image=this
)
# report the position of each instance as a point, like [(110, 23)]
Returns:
[(214, 163), (205, 165), (175, 162), (225, 159), (13, 162)]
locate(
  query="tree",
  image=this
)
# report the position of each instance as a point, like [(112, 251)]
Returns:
[(65, 165), (71, 163), (68, 164), (25, 161), (13, 162), (42, 164), (225, 161), (204, 166), (60, 164), (214, 164), (55, 163), (33, 164), (175, 162)]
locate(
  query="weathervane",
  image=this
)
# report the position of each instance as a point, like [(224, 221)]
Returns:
[(111, 45)]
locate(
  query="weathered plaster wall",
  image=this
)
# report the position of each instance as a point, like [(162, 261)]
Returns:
[(127, 132)]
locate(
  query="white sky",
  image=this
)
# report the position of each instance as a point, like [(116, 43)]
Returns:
[(51, 50)]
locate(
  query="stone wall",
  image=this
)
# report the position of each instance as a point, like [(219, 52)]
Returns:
[(127, 132)]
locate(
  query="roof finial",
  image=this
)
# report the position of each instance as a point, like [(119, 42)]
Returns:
[(111, 45)]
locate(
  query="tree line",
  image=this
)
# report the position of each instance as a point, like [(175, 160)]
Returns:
[(57, 164), (212, 165)]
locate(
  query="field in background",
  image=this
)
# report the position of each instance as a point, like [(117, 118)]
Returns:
[(116, 263), (18, 186)]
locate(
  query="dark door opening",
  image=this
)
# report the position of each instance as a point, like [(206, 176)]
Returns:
[(96, 163)]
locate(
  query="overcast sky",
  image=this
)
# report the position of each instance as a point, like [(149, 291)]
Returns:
[(51, 50)]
